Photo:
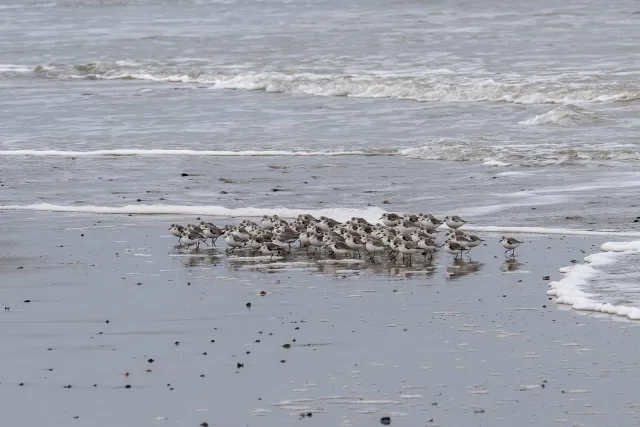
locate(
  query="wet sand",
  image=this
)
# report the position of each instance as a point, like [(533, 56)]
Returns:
[(478, 343)]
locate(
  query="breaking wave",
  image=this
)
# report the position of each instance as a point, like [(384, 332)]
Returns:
[(432, 87), (210, 153), (607, 282), (565, 115)]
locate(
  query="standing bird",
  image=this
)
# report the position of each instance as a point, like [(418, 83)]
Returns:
[(510, 244), (454, 248), (454, 221), (176, 230)]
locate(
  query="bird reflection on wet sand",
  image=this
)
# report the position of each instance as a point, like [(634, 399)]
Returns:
[(299, 261), (511, 264), (460, 268)]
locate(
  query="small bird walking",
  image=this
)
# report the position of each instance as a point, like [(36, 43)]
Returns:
[(510, 244)]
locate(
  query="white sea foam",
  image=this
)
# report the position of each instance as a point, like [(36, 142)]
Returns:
[(620, 246), (14, 69), (371, 214), (212, 153), (489, 151), (496, 150), (565, 115), (427, 87), (605, 283), (496, 163)]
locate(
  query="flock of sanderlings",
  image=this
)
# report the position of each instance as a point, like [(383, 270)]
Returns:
[(408, 235)]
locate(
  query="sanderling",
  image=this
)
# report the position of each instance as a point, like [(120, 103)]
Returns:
[(428, 245), (315, 240), (373, 246), (454, 248), (339, 248), (211, 231), (510, 244), (354, 242), (267, 221), (189, 239), (406, 247), (269, 248), (406, 227), (390, 219), (327, 224), (473, 241), (454, 221), (176, 230), (232, 241), (429, 222)]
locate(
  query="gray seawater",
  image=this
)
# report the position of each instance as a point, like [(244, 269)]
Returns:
[(429, 91)]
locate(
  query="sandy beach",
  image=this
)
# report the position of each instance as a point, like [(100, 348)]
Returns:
[(107, 323)]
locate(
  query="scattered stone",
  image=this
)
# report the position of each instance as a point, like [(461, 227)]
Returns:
[(286, 345), (385, 421), (262, 293), (282, 361), (127, 386), (150, 360), (240, 365), (184, 174), (248, 305), (27, 301), (67, 386)]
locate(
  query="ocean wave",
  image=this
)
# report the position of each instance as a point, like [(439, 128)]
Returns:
[(607, 282), (211, 153), (565, 115), (426, 87), (491, 152), (495, 150), (371, 214), (15, 69)]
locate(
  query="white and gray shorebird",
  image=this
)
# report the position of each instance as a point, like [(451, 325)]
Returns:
[(373, 246), (429, 222), (339, 248), (454, 221), (176, 230), (390, 219), (232, 241), (510, 244), (407, 248), (190, 238), (210, 231), (454, 248), (269, 248)]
